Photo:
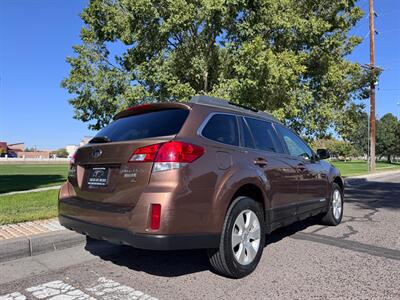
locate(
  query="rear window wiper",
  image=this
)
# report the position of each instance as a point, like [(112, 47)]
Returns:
[(100, 139)]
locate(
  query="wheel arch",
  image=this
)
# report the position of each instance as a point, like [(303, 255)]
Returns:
[(339, 181), (252, 191), (235, 184)]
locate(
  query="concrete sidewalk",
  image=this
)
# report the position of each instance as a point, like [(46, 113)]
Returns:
[(360, 180)]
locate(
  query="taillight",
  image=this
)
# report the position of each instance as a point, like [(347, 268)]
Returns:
[(145, 154), (72, 159), (155, 216), (179, 152), (72, 166), (167, 156)]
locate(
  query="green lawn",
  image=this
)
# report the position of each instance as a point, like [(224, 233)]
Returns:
[(21, 177), (352, 168), (28, 206)]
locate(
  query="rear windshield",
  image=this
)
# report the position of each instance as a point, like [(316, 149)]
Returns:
[(147, 125)]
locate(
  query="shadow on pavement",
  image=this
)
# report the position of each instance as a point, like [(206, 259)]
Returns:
[(374, 194), (160, 263), (172, 263)]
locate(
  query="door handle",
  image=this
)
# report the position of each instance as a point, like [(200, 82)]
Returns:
[(301, 167), (261, 162)]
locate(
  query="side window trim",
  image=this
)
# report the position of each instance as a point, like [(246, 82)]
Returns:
[(240, 133), (208, 118), (249, 131), (280, 137)]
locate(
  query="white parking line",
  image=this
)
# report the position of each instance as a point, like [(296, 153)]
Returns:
[(108, 289), (13, 296), (57, 290), (104, 289)]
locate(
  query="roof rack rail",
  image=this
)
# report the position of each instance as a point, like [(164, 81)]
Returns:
[(243, 106), (218, 102)]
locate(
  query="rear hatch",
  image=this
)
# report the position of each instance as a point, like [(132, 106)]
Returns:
[(102, 170)]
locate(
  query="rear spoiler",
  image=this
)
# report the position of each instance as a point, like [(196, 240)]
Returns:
[(149, 107)]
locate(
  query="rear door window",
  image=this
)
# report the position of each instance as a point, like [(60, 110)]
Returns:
[(151, 124), (222, 128), (265, 137)]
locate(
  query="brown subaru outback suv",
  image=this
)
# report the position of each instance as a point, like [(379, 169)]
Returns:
[(203, 174)]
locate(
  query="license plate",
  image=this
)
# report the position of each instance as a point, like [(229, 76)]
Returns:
[(98, 176)]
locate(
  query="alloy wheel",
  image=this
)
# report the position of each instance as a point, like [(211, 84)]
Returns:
[(337, 204), (246, 235)]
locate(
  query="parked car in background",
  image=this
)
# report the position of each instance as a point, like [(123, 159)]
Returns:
[(9, 154), (204, 174)]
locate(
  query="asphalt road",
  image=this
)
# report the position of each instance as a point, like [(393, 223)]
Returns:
[(358, 259)]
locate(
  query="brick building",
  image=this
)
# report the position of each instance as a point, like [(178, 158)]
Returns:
[(33, 154)]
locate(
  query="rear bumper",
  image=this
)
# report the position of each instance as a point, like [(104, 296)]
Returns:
[(140, 240)]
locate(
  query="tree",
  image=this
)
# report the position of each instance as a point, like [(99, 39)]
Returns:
[(287, 57), (353, 127), (343, 149), (388, 136), (337, 148), (62, 152)]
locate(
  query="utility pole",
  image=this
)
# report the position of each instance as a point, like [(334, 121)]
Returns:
[(372, 92)]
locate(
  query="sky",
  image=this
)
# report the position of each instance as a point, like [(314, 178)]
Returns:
[(37, 35)]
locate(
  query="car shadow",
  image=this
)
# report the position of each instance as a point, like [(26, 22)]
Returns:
[(159, 263), (173, 263), (287, 231)]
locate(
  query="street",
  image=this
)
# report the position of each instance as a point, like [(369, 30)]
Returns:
[(360, 258)]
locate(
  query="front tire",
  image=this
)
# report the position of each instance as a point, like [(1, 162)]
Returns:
[(242, 241), (335, 213)]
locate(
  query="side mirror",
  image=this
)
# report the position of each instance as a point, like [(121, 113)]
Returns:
[(323, 154)]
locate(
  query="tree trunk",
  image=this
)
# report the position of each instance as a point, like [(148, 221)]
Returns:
[(205, 78)]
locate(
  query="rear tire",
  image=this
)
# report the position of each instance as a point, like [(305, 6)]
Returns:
[(242, 241), (335, 213)]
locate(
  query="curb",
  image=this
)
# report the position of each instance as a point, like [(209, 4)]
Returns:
[(360, 180), (372, 175), (12, 249)]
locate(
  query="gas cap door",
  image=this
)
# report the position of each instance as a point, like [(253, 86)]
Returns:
[(224, 160)]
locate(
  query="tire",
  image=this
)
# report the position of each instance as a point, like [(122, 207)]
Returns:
[(241, 222), (335, 213)]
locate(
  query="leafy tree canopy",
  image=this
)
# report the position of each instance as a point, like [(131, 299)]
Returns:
[(338, 148), (287, 57), (62, 152), (353, 127), (388, 136)]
